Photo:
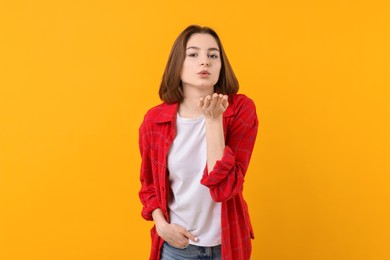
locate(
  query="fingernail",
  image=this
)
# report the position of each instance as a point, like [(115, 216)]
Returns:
[(196, 239)]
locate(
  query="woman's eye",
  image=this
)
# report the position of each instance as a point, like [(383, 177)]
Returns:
[(193, 55), (213, 56)]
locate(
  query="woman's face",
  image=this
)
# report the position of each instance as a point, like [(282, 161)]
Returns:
[(202, 63)]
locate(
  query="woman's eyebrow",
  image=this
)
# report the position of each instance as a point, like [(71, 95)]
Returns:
[(197, 48)]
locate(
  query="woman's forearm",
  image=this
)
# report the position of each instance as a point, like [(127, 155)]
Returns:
[(158, 218), (215, 141)]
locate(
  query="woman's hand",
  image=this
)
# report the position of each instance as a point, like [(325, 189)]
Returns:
[(213, 106), (175, 235)]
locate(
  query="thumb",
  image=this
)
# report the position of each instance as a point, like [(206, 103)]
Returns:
[(190, 236)]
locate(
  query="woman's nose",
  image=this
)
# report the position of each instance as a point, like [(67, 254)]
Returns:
[(205, 63)]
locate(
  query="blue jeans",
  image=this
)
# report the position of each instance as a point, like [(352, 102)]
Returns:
[(169, 252)]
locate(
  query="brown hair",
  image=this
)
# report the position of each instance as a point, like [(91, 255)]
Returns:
[(171, 89)]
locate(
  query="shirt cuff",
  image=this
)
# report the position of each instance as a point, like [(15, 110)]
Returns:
[(147, 210), (221, 169)]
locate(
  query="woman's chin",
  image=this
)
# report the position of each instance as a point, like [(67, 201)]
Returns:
[(202, 86)]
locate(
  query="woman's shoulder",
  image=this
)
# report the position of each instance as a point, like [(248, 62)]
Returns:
[(239, 100), (161, 112), (153, 111)]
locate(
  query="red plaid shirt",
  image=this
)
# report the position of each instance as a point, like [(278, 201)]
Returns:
[(225, 181)]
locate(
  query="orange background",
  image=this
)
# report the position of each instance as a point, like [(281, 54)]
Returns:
[(76, 78)]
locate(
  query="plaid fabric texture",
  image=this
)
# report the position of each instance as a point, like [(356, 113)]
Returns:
[(225, 181)]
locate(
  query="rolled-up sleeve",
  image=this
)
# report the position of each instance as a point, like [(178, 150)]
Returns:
[(147, 193), (226, 179)]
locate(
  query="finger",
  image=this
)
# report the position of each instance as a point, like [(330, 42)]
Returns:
[(220, 100), (183, 243), (225, 101), (191, 236), (214, 101), (180, 239), (207, 101), (187, 234)]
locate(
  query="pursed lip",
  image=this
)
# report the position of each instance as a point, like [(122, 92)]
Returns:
[(204, 72)]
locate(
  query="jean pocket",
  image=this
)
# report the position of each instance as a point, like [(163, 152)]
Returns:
[(177, 248)]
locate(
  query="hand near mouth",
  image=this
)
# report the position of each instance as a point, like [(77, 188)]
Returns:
[(213, 106)]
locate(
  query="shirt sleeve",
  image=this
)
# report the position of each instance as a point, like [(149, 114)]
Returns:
[(227, 177), (147, 193)]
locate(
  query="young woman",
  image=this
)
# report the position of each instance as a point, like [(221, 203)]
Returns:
[(195, 150)]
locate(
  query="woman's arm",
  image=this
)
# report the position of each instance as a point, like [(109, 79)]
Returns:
[(173, 234), (226, 178), (213, 108), (147, 193)]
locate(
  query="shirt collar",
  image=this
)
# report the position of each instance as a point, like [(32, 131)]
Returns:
[(167, 112)]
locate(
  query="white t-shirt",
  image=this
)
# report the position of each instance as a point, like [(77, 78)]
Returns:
[(191, 205)]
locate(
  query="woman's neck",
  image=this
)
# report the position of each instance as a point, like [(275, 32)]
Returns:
[(189, 106)]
